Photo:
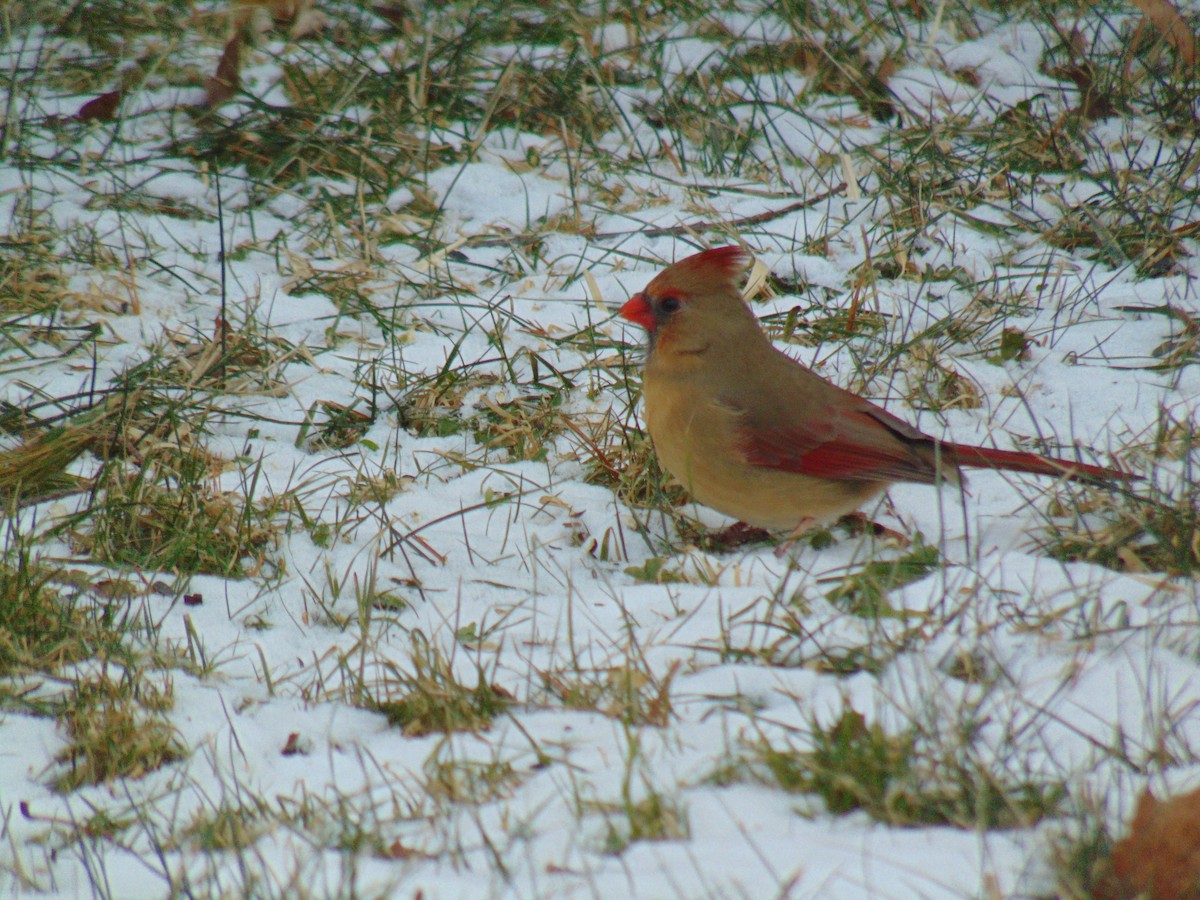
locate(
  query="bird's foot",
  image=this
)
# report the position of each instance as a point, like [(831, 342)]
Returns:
[(857, 524), (736, 535)]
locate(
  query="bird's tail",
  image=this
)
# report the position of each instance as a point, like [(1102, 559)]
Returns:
[(1020, 461)]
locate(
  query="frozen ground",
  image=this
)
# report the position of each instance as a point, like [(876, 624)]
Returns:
[(431, 223)]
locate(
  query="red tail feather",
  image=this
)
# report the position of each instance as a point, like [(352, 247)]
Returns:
[(1018, 461)]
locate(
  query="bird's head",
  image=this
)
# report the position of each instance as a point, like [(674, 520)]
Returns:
[(694, 301)]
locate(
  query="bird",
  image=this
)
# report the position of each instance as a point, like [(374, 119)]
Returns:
[(756, 435)]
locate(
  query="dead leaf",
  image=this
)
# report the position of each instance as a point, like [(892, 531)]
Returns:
[(397, 850), (100, 109), (395, 13), (1164, 16), (1161, 857), (226, 82), (1094, 102)]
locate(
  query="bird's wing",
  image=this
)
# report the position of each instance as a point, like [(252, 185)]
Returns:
[(856, 441)]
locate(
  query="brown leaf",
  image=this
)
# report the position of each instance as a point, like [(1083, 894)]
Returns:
[(226, 82), (1161, 857), (397, 850), (395, 13), (1094, 103), (503, 693), (100, 109), (1164, 16)]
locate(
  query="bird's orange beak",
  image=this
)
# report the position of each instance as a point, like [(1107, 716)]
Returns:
[(637, 311)]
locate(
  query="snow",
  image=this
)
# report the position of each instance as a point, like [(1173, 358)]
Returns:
[(517, 571)]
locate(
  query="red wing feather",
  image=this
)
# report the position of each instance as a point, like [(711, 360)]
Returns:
[(834, 453)]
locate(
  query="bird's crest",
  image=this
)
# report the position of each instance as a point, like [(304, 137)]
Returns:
[(715, 268)]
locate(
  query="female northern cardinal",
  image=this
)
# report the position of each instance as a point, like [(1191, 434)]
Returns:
[(754, 434)]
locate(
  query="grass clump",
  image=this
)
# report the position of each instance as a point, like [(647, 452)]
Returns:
[(621, 457), (630, 693), (855, 765), (470, 781), (641, 814), (230, 826), (115, 729), (41, 628), (653, 818), (865, 592), (434, 700), (1158, 531), (1081, 861), (524, 427), (177, 522)]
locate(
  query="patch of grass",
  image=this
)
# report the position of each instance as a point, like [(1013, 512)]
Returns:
[(542, 98), (1120, 229), (630, 693), (1080, 857), (655, 571), (855, 765), (230, 826), (844, 661), (36, 468), (653, 818), (935, 384), (235, 359), (816, 326), (621, 457), (167, 516), (1182, 348), (45, 625), (341, 426), (829, 66), (433, 699), (434, 406), (1151, 530), (1029, 138), (1013, 346), (644, 814), (115, 729), (865, 592), (29, 282), (377, 488), (351, 288), (469, 781), (525, 427)]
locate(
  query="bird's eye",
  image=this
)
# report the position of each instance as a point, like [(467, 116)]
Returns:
[(670, 304)]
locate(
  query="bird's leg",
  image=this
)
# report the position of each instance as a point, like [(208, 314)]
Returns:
[(803, 527)]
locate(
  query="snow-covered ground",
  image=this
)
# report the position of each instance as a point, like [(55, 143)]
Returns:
[(986, 273)]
